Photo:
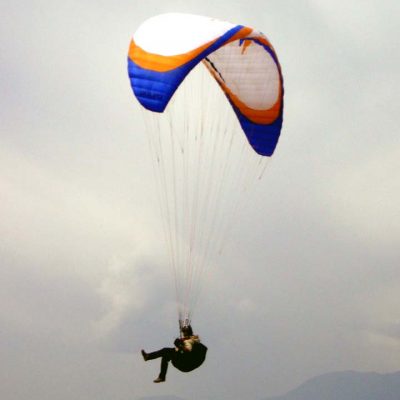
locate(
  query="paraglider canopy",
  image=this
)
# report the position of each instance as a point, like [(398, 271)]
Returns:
[(165, 49), (207, 89)]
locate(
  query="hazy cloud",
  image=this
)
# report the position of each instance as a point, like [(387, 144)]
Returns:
[(310, 281)]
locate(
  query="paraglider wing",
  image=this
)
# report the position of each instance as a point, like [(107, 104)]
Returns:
[(165, 49), (202, 83)]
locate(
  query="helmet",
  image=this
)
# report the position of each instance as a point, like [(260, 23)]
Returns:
[(187, 330)]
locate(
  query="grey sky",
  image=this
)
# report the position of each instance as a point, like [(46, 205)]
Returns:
[(84, 279)]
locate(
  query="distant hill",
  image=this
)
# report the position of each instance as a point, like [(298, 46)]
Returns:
[(347, 385), (161, 398)]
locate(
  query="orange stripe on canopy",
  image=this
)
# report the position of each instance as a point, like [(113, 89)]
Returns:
[(159, 63), (267, 116)]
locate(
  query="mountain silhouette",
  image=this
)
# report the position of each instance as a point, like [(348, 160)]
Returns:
[(166, 397), (347, 385)]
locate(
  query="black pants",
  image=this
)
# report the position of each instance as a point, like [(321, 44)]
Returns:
[(167, 354)]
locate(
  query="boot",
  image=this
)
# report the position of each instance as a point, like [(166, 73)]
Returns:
[(145, 356), (158, 380)]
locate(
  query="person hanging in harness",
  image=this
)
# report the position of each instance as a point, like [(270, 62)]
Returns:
[(188, 354)]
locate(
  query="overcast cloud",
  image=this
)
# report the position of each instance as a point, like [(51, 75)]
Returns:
[(84, 277)]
